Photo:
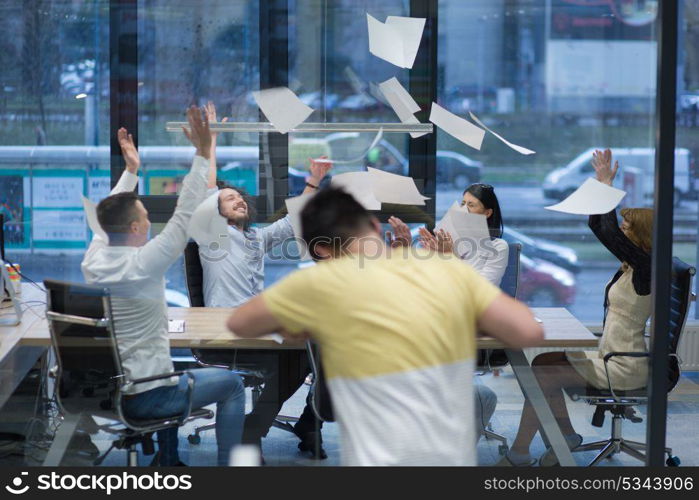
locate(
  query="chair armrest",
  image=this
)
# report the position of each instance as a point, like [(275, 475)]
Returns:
[(157, 377), (610, 355), (190, 388)]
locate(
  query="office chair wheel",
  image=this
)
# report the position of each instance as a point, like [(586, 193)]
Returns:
[(673, 461), (194, 439), (503, 449)]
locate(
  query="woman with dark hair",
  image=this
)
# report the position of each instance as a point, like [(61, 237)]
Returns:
[(488, 258)]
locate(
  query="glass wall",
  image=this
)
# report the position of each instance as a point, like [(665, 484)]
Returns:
[(546, 75), (54, 145)]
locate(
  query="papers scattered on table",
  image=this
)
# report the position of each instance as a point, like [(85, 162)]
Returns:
[(358, 184), (517, 148), (175, 326), (282, 108), (392, 188), (397, 40), (593, 197), (208, 228), (294, 206), (468, 231), (91, 216), (457, 127), (402, 103)]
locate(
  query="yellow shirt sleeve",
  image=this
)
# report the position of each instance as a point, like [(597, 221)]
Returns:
[(293, 302)]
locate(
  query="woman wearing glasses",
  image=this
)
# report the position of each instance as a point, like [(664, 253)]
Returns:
[(489, 259)]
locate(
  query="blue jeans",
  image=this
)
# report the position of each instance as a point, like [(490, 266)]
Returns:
[(210, 385)]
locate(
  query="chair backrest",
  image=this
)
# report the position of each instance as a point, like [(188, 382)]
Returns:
[(194, 275), (680, 297), (510, 280), (82, 335)]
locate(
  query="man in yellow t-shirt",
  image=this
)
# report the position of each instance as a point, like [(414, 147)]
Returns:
[(396, 328)]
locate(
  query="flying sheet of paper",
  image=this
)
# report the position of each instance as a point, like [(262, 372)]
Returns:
[(592, 198), (396, 41), (282, 108), (517, 148), (294, 206), (358, 184), (410, 30), (457, 127), (208, 228), (392, 188), (359, 159), (468, 231), (401, 102), (91, 215)]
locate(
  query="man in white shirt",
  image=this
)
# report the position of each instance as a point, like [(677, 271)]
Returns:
[(133, 267), (239, 276)]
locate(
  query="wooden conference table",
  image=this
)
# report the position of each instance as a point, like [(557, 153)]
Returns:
[(205, 328)]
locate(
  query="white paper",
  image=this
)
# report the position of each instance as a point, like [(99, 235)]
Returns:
[(208, 228), (592, 198), (401, 102), (467, 230), (392, 188), (457, 127), (282, 107), (294, 206), (517, 148), (91, 216), (393, 86), (410, 30), (397, 41), (276, 337), (358, 184), (175, 326)]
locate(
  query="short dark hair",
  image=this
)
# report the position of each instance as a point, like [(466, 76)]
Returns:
[(115, 213), (249, 201), (333, 217)]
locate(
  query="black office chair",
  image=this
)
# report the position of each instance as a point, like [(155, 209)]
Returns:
[(488, 359), (320, 396), (617, 402), (252, 376), (89, 374)]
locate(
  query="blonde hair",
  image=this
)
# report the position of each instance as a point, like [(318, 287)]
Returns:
[(640, 226)]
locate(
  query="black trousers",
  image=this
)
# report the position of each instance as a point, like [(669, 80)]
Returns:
[(285, 371)]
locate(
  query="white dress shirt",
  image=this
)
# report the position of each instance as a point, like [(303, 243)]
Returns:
[(235, 278), (490, 262), (135, 277)]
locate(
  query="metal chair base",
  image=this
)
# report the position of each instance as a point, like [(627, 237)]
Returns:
[(616, 444), (503, 447)]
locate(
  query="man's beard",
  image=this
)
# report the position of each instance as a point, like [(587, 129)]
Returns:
[(240, 221)]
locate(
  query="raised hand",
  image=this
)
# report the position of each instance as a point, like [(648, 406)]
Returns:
[(444, 242), (441, 241), (401, 233), (198, 134), (210, 112), (427, 239), (319, 167), (128, 150), (602, 163)]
